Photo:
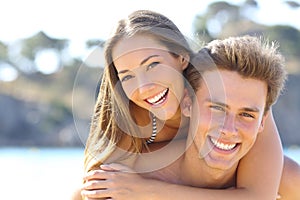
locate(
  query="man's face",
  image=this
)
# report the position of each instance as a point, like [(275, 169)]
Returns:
[(230, 115)]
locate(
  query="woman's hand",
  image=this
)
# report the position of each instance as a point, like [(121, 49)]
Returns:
[(118, 182)]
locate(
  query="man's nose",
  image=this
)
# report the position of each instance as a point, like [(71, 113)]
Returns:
[(229, 126)]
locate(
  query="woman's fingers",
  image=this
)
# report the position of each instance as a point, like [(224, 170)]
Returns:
[(96, 189), (116, 167), (96, 174), (90, 194), (95, 185), (108, 182)]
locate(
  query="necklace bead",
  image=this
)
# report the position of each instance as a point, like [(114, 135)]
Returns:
[(154, 130)]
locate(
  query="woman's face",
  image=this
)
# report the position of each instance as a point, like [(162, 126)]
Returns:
[(150, 75)]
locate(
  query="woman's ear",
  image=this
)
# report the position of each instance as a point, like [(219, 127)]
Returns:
[(186, 104), (185, 60)]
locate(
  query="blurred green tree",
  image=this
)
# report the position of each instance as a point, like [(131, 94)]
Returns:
[(288, 37), (3, 51), (221, 20), (293, 4), (40, 41)]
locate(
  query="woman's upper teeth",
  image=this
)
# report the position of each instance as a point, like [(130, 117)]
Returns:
[(221, 145), (157, 97)]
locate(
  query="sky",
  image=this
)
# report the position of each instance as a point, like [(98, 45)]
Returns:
[(81, 20)]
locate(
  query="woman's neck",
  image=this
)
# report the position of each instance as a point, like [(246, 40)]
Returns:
[(176, 127), (177, 121)]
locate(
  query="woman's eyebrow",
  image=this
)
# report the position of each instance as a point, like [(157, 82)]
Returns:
[(143, 62), (146, 59)]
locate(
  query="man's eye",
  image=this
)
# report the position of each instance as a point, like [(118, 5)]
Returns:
[(152, 65), (126, 78), (247, 115), (218, 108)]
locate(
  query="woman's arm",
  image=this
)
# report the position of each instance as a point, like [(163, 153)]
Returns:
[(260, 170), (258, 177), (123, 185)]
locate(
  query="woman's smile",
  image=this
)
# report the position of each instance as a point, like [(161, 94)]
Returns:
[(150, 75), (158, 99)]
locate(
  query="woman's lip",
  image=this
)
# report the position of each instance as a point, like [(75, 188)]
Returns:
[(158, 98)]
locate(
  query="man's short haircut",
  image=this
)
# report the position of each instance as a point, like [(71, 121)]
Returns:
[(249, 56)]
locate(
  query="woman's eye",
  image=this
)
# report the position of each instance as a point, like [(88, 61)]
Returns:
[(218, 108), (152, 65), (126, 78)]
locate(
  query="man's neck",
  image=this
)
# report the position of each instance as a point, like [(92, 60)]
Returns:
[(197, 173)]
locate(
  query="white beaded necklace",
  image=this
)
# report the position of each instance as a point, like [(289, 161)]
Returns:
[(154, 130)]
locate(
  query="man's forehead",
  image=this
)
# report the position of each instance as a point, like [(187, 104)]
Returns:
[(212, 84), (229, 88)]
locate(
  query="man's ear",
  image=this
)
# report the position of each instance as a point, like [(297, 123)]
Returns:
[(186, 104), (263, 121), (185, 60)]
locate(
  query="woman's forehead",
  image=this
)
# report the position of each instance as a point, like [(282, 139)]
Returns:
[(136, 43)]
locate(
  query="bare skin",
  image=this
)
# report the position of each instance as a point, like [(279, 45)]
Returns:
[(250, 168), (291, 182), (131, 185), (122, 186)]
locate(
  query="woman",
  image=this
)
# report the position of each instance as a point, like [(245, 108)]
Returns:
[(119, 130)]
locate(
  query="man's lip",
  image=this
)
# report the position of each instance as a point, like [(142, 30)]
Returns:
[(222, 145)]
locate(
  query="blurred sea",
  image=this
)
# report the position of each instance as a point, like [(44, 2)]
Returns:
[(47, 173)]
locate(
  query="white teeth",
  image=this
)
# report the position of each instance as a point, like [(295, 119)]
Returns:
[(157, 99), (222, 146)]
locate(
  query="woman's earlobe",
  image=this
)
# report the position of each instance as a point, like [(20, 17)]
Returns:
[(185, 60), (186, 111), (186, 104)]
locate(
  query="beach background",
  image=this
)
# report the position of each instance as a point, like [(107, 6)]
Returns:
[(51, 59), (48, 173)]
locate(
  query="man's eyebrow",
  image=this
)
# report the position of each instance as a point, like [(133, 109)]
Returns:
[(217, 103), (123, 71), (247, 109), (143, 62), (254, 109)]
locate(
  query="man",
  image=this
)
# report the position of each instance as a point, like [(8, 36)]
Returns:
[(234, 93)]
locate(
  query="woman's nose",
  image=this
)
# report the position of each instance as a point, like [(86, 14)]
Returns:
[(144, 83)]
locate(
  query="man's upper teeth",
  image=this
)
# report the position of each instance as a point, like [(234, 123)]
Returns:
[(222, 145), (157, 97)]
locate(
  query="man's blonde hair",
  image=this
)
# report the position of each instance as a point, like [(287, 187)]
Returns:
[(249, 56)]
